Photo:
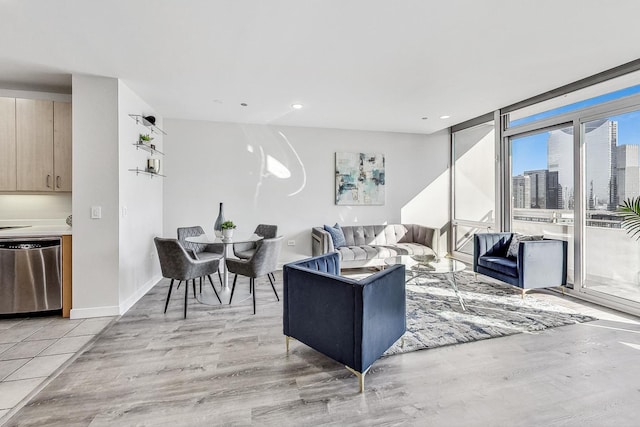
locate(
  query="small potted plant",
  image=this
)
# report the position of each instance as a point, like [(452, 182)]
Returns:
[(227, 229), (144, 138)]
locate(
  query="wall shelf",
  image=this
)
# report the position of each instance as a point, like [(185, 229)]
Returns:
[(146, 147), (139, 171), (142, 121)]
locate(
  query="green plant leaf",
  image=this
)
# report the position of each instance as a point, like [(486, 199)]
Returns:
[(227, 225), (630, 209)]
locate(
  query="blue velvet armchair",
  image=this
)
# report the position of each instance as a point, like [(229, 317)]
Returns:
[(539, 264), (351, 321)]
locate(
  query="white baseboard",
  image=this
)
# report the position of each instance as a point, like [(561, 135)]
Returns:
[(84, 313), (129, 302), (114, 310)]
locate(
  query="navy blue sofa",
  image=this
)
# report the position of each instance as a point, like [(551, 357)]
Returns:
[(350, 321), (539, 264)]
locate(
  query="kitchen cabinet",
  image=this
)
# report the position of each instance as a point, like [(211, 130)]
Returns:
[(7, 144), (35, 145), (62, 131), (34, 137)]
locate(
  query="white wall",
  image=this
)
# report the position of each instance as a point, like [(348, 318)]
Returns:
[(95, 183), (114, 261), (208, 162), (140, 203)]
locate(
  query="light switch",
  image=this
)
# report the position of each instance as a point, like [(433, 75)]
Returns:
[(124, 211), (96, 212)]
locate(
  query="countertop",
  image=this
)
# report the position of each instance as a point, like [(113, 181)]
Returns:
[(36, 231)]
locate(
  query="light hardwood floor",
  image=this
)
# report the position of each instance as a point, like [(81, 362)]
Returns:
[(225, 366)]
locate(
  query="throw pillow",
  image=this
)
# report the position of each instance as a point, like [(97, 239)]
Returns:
[(337, 235), (512, 252)]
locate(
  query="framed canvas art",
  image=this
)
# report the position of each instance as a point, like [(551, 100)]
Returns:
[(360, 179)]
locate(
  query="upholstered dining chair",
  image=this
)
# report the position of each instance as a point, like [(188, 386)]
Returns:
[(177, 264), (262, 263), (246, 250), (199, 250)]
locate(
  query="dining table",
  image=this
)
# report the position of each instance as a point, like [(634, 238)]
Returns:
[(237, 237)]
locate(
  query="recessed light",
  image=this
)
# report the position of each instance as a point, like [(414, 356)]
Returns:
[(425, 118), (444, 117), (244, 104), (296, 106)]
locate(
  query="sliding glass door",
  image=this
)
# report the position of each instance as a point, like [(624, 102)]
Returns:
[(611, 175), (541, 187)]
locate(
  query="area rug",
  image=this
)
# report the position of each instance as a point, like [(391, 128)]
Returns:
[(435, 317)]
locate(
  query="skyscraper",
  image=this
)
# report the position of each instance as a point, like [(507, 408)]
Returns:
[(554, 192), (601, 138), (538, 186), (521, 192), (627, 172), (560, 160)]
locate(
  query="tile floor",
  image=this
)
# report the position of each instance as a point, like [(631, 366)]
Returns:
[(32, 349)]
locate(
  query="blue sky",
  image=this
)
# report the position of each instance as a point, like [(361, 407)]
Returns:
[(530, 153)]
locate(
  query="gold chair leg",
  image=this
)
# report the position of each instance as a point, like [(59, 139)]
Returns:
[(287, 339), (360, 376), (524, 291)]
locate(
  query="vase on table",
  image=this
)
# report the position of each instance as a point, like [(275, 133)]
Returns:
[(217, 227)]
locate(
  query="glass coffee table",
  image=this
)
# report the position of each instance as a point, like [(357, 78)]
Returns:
[(424, 265)]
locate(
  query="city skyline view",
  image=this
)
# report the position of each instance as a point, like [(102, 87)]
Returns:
[(612, 172), (531, 157)]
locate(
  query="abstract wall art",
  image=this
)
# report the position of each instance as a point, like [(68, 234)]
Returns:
[(360, 179)]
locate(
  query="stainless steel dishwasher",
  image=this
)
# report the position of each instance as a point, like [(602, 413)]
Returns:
[(30, 275)]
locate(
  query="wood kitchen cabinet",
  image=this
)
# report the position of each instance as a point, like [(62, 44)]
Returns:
[(34, 137), (7, 144), (62, 131), (39, 158)]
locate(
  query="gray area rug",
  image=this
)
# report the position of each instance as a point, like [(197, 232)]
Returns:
[(435, 318)]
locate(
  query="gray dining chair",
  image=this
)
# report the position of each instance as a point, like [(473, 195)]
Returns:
[(200, 250), (177, 264), (263, 263), (246, 250)]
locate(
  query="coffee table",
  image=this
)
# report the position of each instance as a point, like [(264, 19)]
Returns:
[(424, 265)]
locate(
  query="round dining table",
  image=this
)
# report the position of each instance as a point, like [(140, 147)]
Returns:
[(236, 238)]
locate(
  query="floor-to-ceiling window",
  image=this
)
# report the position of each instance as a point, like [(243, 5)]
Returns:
[(474, 171), (541, 187), (569, 168), (611, 175)]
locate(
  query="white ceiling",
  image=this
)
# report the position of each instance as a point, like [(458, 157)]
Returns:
[(353, 64)]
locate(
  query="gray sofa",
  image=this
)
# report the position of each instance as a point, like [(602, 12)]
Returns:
[(369, 245)]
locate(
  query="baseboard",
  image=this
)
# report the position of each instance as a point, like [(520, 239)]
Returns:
[(129, 302), (84, 313)]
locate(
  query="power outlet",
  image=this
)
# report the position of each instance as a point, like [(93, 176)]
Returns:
[(291, 242)]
